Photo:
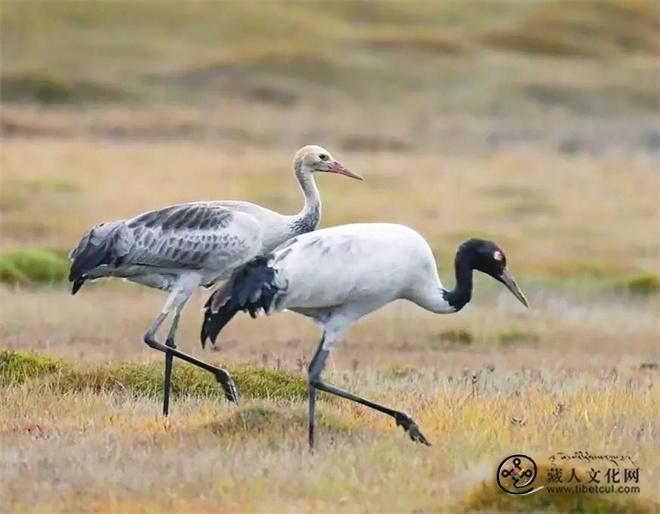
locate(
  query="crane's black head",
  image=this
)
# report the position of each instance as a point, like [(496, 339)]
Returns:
[(490, 259)]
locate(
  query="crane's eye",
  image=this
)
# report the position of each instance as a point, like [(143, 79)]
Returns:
[(323, 157), (498, 256)]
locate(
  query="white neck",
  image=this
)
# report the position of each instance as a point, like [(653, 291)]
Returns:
[(310, 215), (432, 298)]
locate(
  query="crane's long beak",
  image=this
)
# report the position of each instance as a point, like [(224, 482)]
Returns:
[(508, 280), (336, 167)]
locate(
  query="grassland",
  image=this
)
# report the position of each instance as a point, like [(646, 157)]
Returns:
[(530, 123), (577, 371), (111, 451)]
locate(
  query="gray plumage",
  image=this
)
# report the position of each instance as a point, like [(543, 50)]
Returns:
[(182, 247), (155, 248), (207, 239)]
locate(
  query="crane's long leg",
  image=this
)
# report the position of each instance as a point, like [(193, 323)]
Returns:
[(315, 382), (169, 342), (221, 374), (312, 398)]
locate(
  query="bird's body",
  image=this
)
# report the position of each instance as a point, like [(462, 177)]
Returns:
[(205, 239), (339, 274), (357, 268), (181, 247), (158, 247)]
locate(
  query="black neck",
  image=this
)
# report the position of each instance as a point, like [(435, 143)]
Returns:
[(462, 293)]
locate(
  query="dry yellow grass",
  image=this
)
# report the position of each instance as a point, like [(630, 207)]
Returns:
[(112, 453)]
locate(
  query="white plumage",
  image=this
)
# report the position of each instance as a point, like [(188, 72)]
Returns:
[(357, 268), (339, 274)]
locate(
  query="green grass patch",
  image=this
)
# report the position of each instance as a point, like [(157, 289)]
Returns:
[(255, 382), (29, 266), (146, 379), (18, 367), (643, 285)]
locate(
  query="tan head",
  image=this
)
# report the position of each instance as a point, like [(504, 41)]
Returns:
[(312, 158)]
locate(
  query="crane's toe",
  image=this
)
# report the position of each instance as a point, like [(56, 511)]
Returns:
[(228, 386), (406, 422)]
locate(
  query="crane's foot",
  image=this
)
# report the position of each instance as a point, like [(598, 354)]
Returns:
[(406, 422), (228, 385)]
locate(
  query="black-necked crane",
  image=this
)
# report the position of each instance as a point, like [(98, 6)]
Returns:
[(339, 274), (179, 248)]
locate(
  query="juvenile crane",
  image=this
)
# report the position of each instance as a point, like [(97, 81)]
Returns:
[(182, 247), (337, 275)]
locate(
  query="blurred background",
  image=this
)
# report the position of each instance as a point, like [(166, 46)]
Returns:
[(444, 77), (534, 123)]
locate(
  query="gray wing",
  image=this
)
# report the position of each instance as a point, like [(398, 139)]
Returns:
[(191, 236)]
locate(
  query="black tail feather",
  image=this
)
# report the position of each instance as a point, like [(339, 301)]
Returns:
[(251, 289), (77, 284), (214, 323)]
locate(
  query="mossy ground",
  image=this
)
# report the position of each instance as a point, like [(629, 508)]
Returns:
[(145, 379), (642, 284), (29, 266)]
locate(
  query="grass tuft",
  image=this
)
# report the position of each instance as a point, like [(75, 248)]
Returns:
[(275, 423), (643, 285), (517, 336), (32, 266), (146, 379), (18, 367), (255, 382), (458, 336)]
